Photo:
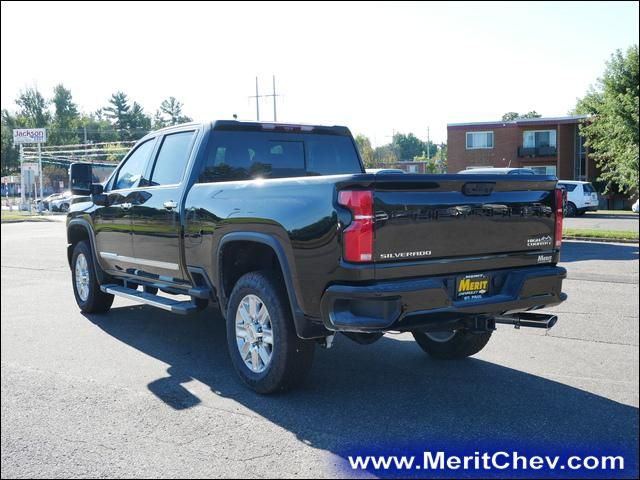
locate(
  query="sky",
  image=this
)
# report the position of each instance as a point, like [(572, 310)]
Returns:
[(377, 68)]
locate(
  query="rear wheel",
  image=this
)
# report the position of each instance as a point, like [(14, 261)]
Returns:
[(452, 344), (572, 211), (264, 347), (86, 289)]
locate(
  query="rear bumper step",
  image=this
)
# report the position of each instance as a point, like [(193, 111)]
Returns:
[(430, 303), (171, 305)]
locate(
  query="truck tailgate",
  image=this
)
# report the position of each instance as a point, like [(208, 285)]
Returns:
[(430, 217)]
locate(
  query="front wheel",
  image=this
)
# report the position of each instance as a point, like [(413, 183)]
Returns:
[(265, 350), (452, 344), (86, 289)]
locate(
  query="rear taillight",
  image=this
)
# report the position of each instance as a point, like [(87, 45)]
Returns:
[(358, 236), (559, 216)]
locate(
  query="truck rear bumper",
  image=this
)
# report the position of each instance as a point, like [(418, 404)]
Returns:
[(431, 303)]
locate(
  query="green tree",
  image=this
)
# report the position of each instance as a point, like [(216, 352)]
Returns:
[(170, 113), (612, 131), (510, 116), (97, 127), (386, 154), (409, 145), (33, 112), (366, 152), (65, 117), (9, 156), (117, 111), (441, 157), (139, 122)]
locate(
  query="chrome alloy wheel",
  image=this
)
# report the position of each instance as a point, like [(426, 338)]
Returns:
[(254, 335), (441, 336), (82, 277)]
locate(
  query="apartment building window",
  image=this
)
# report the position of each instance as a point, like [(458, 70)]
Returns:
[(479, 140), (539, 138)]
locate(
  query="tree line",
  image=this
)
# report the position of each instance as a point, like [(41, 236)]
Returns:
[(119, 120), (403, 147)]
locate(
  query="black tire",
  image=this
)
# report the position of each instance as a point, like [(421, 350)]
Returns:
[(572, 211), (461, 345), (96, 300), (64, 207), (291, 357)]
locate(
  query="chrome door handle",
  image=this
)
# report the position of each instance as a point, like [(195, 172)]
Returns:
[(170, 204)]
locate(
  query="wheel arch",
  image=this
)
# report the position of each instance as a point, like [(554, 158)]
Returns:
[(304, 327), (79, 229)]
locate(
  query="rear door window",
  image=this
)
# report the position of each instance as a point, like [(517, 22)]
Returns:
[(569, 186), (171, 161), (588, 188)]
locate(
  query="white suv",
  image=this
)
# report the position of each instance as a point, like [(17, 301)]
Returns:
[(581, 197)]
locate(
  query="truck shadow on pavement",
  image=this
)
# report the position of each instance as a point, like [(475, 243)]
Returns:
[(576, 251), (386, 394)]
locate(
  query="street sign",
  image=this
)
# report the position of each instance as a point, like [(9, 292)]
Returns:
[(29, 135), (32, 167)]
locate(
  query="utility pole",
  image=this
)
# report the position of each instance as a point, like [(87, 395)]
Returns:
[(428, 146), (257, 96), (393, 135), (41, 173), (85, 143), (22, 180), (274, 95)]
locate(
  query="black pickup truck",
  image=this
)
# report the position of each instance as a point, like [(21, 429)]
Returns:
[(281, 228)]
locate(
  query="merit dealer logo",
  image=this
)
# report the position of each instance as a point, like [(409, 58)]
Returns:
[(540, 241)]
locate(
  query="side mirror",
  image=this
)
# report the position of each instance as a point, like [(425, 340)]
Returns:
[(97, 194), (80, 179)]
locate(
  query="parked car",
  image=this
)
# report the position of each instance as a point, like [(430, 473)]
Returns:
[(45, 202), (281, 227), (377, 171), (635, 207), (581, 197), (61, 203), (498, 171)]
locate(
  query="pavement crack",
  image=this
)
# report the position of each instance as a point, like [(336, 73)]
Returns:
[(84, 442), (54, 269), (592, 340)]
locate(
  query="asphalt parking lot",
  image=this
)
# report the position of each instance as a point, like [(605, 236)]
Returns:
[(139, 392)]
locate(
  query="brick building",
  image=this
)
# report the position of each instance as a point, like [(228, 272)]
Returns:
[(550, 146)]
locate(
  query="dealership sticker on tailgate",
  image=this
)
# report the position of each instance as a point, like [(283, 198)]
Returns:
[(473, 286)]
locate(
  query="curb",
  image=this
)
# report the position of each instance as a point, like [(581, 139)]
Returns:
[(597, 239)]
